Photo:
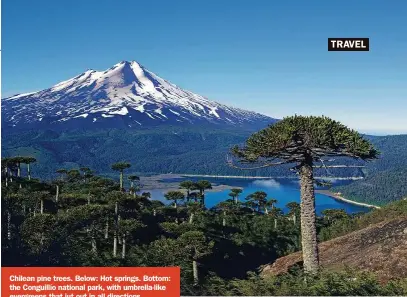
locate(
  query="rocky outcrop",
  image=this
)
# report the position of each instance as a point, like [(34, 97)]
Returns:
[(379, 248)]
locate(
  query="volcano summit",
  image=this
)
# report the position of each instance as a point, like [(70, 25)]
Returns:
[(125, 95)]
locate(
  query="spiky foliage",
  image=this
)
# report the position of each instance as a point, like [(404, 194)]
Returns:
[(302, 141), (258, 198), (234, 193), (121, 166), (187, 185), (296, 138), (174, 196)]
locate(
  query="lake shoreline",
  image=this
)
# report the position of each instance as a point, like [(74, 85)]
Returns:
[(261, 177), (156, 183), (339, 197)]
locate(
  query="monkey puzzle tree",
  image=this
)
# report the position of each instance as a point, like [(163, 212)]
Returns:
[(41, 196), (331, 215), (115, 198), (18, 160), (87, 173), (74, 175), (133, 179), (174, 196), (225, 207), (194, 245), (202, 185), (234, 193), (275, 213), (259, 199), (294, 209), (121, 166), (303, 141), (5, 167), (193, 208), (126, 227), (62, 173), (28, 161), (187, 185)]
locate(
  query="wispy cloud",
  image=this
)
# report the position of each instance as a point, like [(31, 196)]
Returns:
[(269, 183)]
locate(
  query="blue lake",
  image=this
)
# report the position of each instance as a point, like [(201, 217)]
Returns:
[(283, 190)]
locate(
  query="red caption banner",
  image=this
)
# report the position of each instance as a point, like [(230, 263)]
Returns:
[(90, 281)]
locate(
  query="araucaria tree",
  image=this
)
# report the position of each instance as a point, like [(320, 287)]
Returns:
[(134, 188), (187, 185), (28, 161), (303, 141), (234, 193), (202, 185), (174, 196), (121, 166)]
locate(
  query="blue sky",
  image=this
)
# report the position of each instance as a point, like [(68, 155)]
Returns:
[(266, 56)]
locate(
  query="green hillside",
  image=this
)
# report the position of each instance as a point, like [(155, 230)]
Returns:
[(386, 178), (194, 151)]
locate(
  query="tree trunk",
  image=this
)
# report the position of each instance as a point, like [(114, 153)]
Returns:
[(6, 181), (191, 218), (29, 171), (154, 212), (107, 229), (42, 206), (294, 219), (275, 223), (175, 204), (116, 211), (308, 225), (224, 219), (89, 199), (93, 241), (266, 210), (119, 238), (195, 271), (18, 170), (124, 247), (8, 225), (57, 194), (121, 180), (115, 244)]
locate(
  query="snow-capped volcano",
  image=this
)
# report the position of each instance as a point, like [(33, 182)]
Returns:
[(127, 94)]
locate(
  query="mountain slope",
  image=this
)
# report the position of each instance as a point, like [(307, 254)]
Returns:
[(125, 95), (386, 178), (379, 248)]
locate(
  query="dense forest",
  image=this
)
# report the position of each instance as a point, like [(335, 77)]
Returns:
[(386, 178), (81, 219), (188, 150), (196, 151)]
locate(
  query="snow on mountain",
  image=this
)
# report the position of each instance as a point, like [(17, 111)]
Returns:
[(126, 93)]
